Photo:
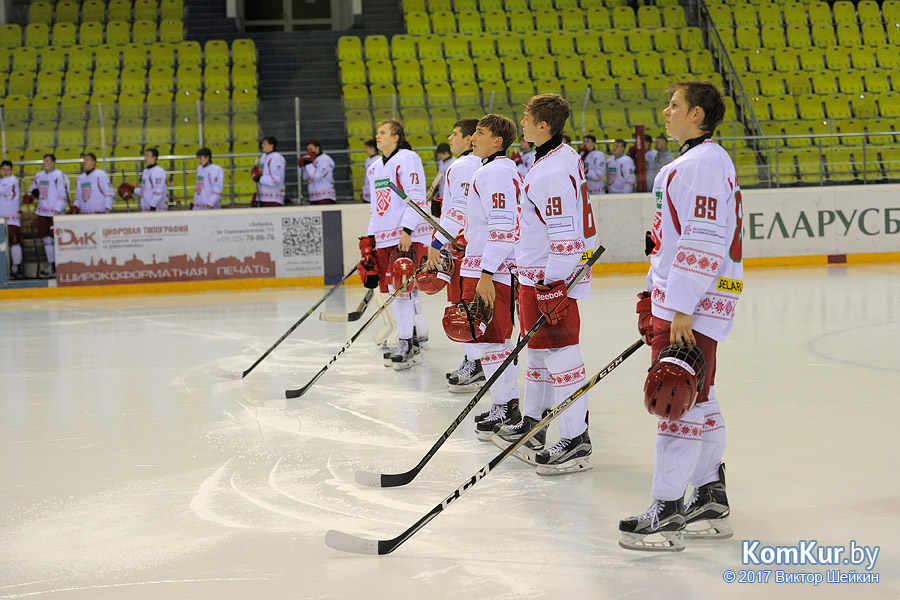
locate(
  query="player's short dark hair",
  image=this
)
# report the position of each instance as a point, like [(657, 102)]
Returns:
[(648, 138), (396, 129), (501, 127), (90, 155), (153, 151), (566, 139), (590, 137), (6, 163), (443, 148), (620, 141), (204, 152), (49, 155), (371, 143), (550, 108), (466, 126), (663, 136), (707, 96), (315, 142), (270, 139)]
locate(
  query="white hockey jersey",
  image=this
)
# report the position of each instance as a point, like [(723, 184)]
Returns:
[(388, 214), (52, 191), (93, 192), (366, 190), (320, 175), (9, 200), (209, 186), (556, 225), (595, 171), (270, 187), (443, 167), (696, 266), (620, 175), (493, 210), (456, 184), (153, 190), (527, 163)]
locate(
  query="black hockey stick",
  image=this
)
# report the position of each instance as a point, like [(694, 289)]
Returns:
[(428, 218), (353, 316), (351, 543), (300, 391), (393, 480), (234, 375)]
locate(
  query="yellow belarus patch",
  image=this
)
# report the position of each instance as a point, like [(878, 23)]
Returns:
[(586, 255), (735, 286)]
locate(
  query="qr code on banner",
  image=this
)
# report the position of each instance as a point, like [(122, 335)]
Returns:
[(302, 236)]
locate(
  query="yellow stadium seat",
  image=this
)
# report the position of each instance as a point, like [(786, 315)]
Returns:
[(119, 10), (67, 11), (690, 38), (873, 34), (824, 82), (822, 35), (509, 45), (171, 30), (133, 80), (769, 14), (483, 45), (171, 9), (376, 46), (93, 10), (837, 58), (466, 92), (774, 37), (37, 35), (144, 32), (52, 59), (352, 71), (798, 83), (613, 42), (145, 10), (850, 81), (71, 134), (665, 39), (621, 64), (848, 34), (623, 17), (134, 56), (456, 45), (407, 70), (597, 18), (40, 12), (90, 34), (243, 51), (434, 69), (21, 83), (417, 23), (106, 57), (24, 59), (535, 44), (648, 63), (521, 22), (402, 46), (189, 53), (811, 59), (810, 107), (10, 36), (468, 22), (49, 82), (350, 48), (520, 90), (131, 104), (118, 33), (443, 22), (488, 68)]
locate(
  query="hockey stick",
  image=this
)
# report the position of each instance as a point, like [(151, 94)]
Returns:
[(351, 543), (353, 316), (300, 391), (234, 375), (428, 218), (393, 480)]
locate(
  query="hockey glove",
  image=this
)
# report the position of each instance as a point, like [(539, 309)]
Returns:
[(253, 200), (74, 210), (28, 199), (256, 173), (306, 159), (552, 300), (368, 264), (126, 190), (516, 158), (649, 244), (645, 317), (436, 204), (458, 247)]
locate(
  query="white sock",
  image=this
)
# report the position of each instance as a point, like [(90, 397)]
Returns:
[(421, 323), (472, 352), (15, 251), (567, 375), (712, 443), (677, 453), (538, 387), (404, 313), (492, 356), (48, 248)]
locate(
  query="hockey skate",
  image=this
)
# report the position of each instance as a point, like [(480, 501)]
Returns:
[(507, 435), (470, 379), (48, 272), (406, 354), (706, 511), (657, 529), (16, 272), (566, 456), (456, 373), (500, 414)]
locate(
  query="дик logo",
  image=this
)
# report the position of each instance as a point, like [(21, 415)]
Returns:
[(67, 237)]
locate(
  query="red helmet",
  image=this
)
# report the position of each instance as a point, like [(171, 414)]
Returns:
[(674, 381), (431, 282), (403, 266), (467, 321)]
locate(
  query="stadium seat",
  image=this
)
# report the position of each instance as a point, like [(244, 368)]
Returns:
[(243, 51), (456, 45), (143, 32), (119, 10), (171, 30), (134, 56), (90, 34), (823, 35), (145, 10), (118, 33), (52, 59), (106, 57), (171, 9), (67, 11)]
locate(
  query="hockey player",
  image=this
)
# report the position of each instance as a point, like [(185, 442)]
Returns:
[(693, 285), (9, 210), (493, 205), (153, 192), (556, 235), (210, 182), (397, 234), (269, 174), (594, 165), (93, 191), (525, 158), (620, 176), (445, 159), (470, 374), (371, 150), (51, 188), (317, 168)]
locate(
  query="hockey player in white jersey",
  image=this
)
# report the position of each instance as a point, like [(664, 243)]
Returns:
[(9, 210), (153, 191), (594, 165), (693, 285), (51, 189), (397, 234), (93, 191), (620, 177), (470, 374), (556, 235), (524, 159), (210, 182), (491, 217), (317, 169), (269, 174), (371, 150)]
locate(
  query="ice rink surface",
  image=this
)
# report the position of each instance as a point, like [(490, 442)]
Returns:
[(129, 470)]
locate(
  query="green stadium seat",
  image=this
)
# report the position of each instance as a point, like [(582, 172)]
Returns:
[(572, 20), (690, 38), (864, 58), (134, 56), (769, 14), (721, 15), (798, 83), (37, 35), (665, 39), (546, 21), (824, 82), (118, 33), (93, 10), (850, 81), (759, 60), (810, 107), (649, 17), (877, 80), (811, 59), (782, 108), (40, 12), (771, 84), (639, 40), (468, 22), (864, 106), (819, 13), (837, 58), (495, 22), (744, 15), (144, 32), (844, 12), (90, 34), (10, 36)]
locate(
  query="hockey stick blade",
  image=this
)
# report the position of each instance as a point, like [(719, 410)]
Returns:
[(353, 316), (398, 479), (369, 479), (349, 543)]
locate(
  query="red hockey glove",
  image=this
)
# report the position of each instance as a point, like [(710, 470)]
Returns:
[(368, 264), (256, 173), (645, 317), (458, 247), (28, 199), (367, 247), (126, 190), (306, 159), (552, 300), (516, 158), (253, 201), (74, 210)]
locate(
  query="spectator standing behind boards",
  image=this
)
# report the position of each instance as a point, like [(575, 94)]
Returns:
[(620, 171), (9, 210), (210, 182), (445, 159), (594, 165), (371, 156), (93, 191), (317, 168), (51, 187), (269, 175), (661, 157), (524, 159)]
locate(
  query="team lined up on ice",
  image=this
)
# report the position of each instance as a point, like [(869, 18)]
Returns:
[(517, 243)]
